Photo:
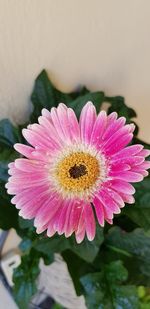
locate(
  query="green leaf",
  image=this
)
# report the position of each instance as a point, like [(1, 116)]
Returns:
[(31, 241), (28, 244), (24, 223), (96, 97), (144, 296), (24, 278), (140, 211), (136, 243), (145, 305), (95, 287), (118, 105), (45, 95), (80, 255), (116, 272), (25, 245), (86, 250), (9, 134), (7, 155), (8, 212), (105, 290), (53, 244)]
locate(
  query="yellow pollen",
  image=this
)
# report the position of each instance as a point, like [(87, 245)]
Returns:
[(77, 172)]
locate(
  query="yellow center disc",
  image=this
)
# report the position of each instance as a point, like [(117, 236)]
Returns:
[(77, 172)]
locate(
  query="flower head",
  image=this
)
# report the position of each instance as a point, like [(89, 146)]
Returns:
[(73, 168)]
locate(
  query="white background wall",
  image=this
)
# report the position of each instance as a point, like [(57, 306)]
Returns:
[(103, 44)]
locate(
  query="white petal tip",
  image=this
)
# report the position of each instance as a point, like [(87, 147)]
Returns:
[(132, 126), (44, 111), (90, 238)]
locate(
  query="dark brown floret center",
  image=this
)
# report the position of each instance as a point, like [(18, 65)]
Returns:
[(77, 171)]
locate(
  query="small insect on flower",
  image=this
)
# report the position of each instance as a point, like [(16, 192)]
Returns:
[(74, 167)]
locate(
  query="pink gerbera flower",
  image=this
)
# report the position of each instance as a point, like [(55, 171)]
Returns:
[(72, 168)]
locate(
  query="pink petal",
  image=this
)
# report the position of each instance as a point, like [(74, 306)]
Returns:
[(30, 209), (87, 121), (74, 125), (80, 232), (128, 151), (99, 128), (41, 229), (52, 222), (31, 194), (64, 121), (117, 144), (128, 198), (68, 230), (117, 137), (145, 165), (140, 170), (75, 215), (115, 196), (38, 139), (26, 182), (11, 165), (50, 129), (108, 202), (28, 175), (112, 118), (24, 150), (61, 220), (89, 221), (29, 166), (29, 213), (46, 113), (144, 152), (117, 166), (132, 160), (41, 156), (108, 212), (110, 221), (99, 210), (47, 211), (50, 231), (113, 127), (121, 186), (57, 123), (129, 176)]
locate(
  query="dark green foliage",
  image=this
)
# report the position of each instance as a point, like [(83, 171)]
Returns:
[(8, 213), (9, 134), (86, 250), (107, 289), (107, 270), (24, 278), (118, 105), (45, 95), (137, 245), (140, 212), (96, 97)]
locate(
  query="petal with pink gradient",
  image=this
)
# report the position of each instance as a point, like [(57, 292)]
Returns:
[(87, 121)]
